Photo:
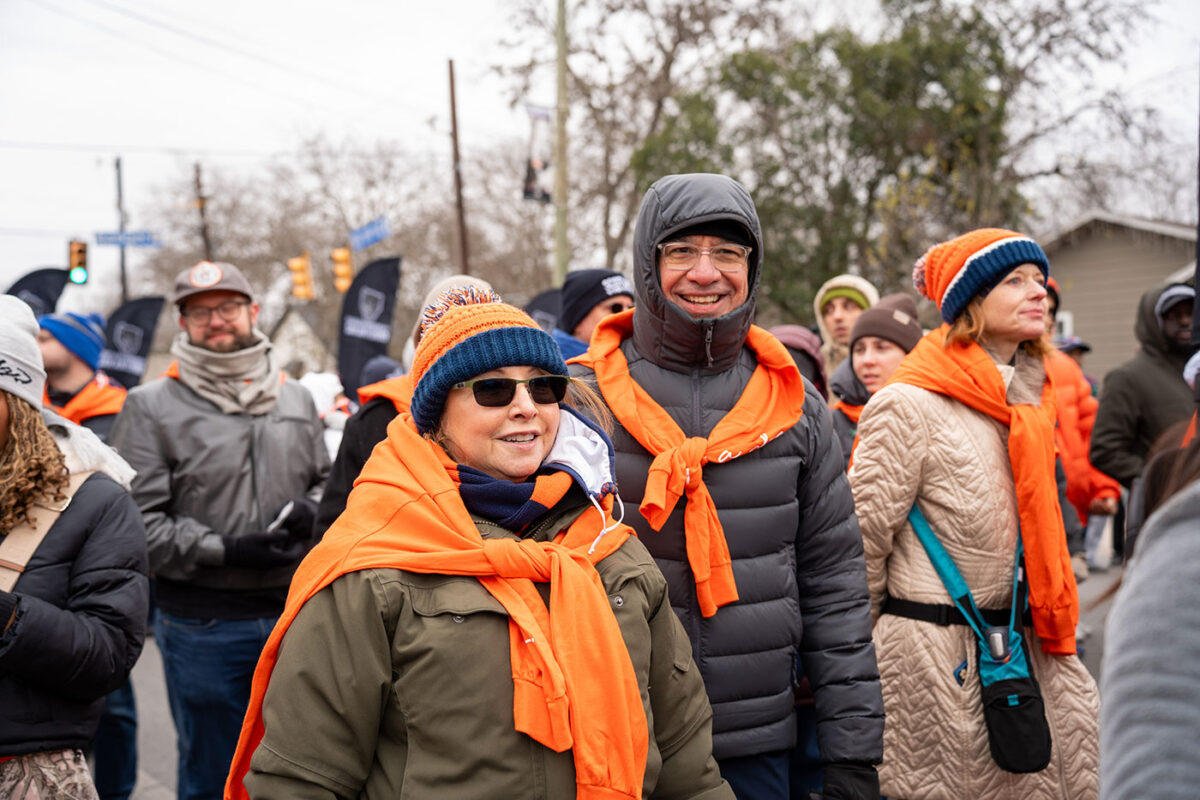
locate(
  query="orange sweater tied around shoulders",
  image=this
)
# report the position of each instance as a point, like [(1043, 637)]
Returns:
[(98, 398), (574, 683), (853, 413), (968, 374), (772, 403)]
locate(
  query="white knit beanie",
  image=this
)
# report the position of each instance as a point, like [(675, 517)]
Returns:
[(21, 370)]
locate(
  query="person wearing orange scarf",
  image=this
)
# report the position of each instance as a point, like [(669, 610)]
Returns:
[(729, 459), (881, 337), (477, 624), (965, 431)]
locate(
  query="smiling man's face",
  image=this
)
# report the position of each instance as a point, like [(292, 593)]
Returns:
[(703, 290)]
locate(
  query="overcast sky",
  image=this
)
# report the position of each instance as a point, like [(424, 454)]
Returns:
[(228, 82)]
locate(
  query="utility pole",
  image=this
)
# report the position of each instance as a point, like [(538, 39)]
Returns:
[(200, 200), (465, 264), (560, 150), (121, 228)]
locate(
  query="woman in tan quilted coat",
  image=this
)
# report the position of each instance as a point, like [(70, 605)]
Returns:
[(964, 430)]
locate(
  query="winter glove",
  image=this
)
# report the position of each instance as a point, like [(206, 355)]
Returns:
[(299, 520), (846, 781), (262, 549)]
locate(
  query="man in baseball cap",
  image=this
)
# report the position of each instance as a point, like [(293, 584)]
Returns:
[(230, 459)]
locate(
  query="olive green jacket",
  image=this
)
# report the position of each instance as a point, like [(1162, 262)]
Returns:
[(395, 684)]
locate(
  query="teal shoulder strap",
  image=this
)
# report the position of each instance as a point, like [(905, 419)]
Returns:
[(952, 579)]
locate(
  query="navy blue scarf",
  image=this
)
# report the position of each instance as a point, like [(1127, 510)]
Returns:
[(514, 506)]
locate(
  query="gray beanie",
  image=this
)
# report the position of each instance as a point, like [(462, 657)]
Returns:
[(21, 370)]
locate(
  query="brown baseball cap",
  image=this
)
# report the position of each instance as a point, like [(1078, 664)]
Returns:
[(210, 276)]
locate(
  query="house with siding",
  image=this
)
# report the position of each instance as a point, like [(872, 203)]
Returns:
[(1103, 264)]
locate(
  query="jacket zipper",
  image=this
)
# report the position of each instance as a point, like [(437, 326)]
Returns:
[(696, 430), (708, 337), (258, 523)]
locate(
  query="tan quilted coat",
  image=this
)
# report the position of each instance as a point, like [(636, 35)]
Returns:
[(915, 445)]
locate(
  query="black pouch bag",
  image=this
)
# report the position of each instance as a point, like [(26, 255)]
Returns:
[(1015, 715)]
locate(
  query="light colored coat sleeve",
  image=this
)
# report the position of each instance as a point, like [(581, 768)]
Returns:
[(885, 476)]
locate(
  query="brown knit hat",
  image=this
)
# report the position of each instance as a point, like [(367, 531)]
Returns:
[(893, 318)]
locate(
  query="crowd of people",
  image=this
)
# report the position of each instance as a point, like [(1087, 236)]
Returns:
[(655, 551)]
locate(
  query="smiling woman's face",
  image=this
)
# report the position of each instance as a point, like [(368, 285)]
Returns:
[(1015, 310), (509, 442)]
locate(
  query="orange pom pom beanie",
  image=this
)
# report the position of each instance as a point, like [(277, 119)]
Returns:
[(952, 273), (466, 332)]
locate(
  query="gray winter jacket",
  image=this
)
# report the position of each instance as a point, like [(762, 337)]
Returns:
[(203, 474), (786, 510)]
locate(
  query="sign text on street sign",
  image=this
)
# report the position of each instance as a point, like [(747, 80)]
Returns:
[(374, 231), (128, 238)]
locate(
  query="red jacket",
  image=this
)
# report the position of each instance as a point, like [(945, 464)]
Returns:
[(1073, 434)]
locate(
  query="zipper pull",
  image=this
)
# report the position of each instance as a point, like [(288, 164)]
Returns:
[(708, 336)]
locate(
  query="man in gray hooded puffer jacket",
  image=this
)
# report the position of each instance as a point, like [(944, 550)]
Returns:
[(784, 505)]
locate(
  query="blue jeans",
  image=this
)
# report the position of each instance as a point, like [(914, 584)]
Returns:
[(763, 776), (115, 748), (209, 664), (806, 757)]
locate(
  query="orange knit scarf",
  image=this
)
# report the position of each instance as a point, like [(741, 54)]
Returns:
[(852, 412), (968, 374), (771, 403), (574, 684)]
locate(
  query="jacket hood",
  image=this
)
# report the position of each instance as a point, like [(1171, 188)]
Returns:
[(846, 385), (1147, 328), (841, 282), (663, 332)]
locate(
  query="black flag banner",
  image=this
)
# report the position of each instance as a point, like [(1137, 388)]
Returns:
[(40, 289), (367, 312), (130, 334)]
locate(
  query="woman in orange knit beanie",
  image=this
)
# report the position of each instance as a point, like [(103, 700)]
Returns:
[(476, 624), (964, 432)]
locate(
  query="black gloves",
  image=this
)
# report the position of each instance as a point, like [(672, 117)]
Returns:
[(299, 521), (845, 781), (263, 549)]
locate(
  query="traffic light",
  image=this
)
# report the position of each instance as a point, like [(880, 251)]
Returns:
[(302, 281), (343, 269), (77, 271)]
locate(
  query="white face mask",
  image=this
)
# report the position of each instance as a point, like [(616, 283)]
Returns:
[(586, 454)]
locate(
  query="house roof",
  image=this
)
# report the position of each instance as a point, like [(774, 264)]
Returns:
[(1174, 230)]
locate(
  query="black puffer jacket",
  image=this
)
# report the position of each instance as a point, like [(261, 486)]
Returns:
[(786, 509), (846, 385), (81, 609)]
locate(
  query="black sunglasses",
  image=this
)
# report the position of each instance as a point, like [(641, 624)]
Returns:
[(617, 306), (498, 392)]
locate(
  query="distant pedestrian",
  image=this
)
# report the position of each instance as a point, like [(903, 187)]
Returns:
[(837, 305), (882, 336), (1144, 396), (477, 625), (230, 459), (73, 588), (588, 296), (804, 346), (963, 437)]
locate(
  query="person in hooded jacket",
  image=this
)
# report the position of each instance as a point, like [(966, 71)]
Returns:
[(964, 431), (476, 625), (73, 606), (729, 454), (805, 349), (881, 337), (1147, 394), (836, 306)]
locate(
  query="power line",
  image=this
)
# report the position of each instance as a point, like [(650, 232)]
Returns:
[(247, 54)]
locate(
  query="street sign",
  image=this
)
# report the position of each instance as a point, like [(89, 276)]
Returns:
[(128, 239), (374, 231)]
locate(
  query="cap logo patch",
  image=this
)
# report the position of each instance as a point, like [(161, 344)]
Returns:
[(204, 275), (616, 284)]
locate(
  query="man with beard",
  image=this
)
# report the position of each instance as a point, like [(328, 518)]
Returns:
[(1147, 394), (230, 460)]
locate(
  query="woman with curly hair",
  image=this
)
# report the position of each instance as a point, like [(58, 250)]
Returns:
[(73, 585)]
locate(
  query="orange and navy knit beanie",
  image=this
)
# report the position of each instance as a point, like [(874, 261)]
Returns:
[(468, 331), (952, 273)]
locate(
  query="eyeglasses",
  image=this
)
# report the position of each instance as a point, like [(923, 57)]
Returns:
[(727, 257), (498, 392), (617, 306), (228, 311)]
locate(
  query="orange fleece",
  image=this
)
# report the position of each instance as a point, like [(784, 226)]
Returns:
[(967, 374), (574, 683), (99, 398), (771, 403), (399, 390)]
